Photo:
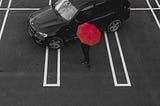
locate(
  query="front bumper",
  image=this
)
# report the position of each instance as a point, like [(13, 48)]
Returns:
[(36, 37)]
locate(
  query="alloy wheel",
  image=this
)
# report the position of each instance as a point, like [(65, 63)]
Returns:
[(56, 43), (114, 25)]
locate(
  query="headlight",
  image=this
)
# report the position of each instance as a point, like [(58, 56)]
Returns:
[(43, 34)]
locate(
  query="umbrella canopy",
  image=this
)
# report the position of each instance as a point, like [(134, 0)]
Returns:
[(88, 34)]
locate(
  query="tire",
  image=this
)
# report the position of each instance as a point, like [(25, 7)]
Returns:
[(114, 25), (55, 43)]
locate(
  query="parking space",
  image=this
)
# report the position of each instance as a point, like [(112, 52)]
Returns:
[(29, 3), (2, 13), (52, 67), (143, 52), (147, 47), (154, 3), (4, 3), (20, 58), (139, 4), (116, 58), (97, 75), (143, 3), (133, 52), (157, 14)]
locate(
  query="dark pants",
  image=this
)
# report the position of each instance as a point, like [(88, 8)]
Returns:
[(85, 50)]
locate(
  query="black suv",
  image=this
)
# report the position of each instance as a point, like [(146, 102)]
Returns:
[(57, 24)]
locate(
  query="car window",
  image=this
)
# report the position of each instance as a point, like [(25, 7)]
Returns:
[(66, 9)]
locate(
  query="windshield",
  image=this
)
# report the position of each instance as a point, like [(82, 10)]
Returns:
[(65, 9)]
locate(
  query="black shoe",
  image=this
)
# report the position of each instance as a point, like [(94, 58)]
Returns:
[(84, 62), (88, 65)]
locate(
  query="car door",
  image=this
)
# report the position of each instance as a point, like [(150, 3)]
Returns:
[(103, 11), (85, 14)]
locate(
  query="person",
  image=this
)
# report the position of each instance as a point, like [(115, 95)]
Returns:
[(89, 35), (85, 50)]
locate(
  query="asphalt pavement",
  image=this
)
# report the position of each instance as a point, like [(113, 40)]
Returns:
[(124, 65)]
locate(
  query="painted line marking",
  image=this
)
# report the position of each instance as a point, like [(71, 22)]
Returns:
[(123, 85), (46, 69), (1, 3), (153, 13), (30, 9), (58, 67), (45, 66), (50, 2), (143, 9), (112, 65), (19, 9), (123, 60), (157, 3), (51, 85), (110, 60), (5, 19), (45, 84)]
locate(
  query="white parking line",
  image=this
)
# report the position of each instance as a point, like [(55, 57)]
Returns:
[(5, 19), (123, 60), (1, 2), (110, 59), (58, 67), (19, 9), (50, 2), (112, 65), (157, 3), (45, 84), (144, 9), (30, 9), (45, 67), (154, 15)]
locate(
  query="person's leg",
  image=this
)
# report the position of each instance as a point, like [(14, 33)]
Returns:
[(85, 50)]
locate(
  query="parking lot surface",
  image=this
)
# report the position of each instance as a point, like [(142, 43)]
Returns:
[(124, 65)]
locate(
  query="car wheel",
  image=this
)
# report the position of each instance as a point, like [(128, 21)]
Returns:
[(114, 25), (55, 43)]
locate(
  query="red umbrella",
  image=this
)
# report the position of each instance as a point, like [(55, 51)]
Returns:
[(88, 34)]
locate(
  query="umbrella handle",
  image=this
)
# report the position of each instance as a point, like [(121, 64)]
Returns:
[(77, 21)]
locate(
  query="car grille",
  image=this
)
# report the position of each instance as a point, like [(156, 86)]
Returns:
[(31, 29), (38, 38)]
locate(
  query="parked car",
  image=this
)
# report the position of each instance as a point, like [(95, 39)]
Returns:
[(57, 24)]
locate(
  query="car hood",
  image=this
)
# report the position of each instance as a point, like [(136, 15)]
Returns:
[(47, 20)]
